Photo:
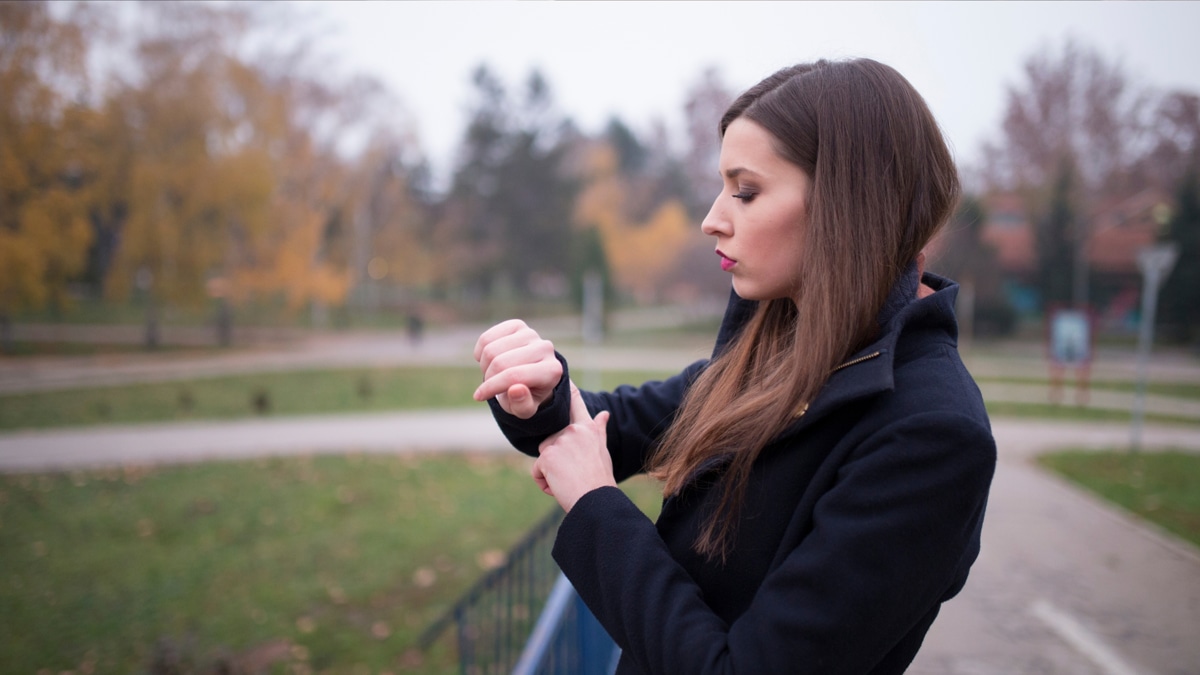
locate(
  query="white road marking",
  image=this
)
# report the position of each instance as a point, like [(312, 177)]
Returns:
[(1083, 640)]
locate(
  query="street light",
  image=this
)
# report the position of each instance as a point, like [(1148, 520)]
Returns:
[(1155, 263)]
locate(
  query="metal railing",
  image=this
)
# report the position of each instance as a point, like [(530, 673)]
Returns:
[(567, 640), (524, 617), (494, 618)]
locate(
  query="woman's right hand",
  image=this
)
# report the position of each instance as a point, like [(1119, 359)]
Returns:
[(519, 368)]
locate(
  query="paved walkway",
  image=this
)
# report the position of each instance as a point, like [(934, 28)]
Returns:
[(1067, 583), (48, 373), (432, 430)]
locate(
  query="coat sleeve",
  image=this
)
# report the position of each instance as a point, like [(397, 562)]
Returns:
[(639, 416), (891, 540)]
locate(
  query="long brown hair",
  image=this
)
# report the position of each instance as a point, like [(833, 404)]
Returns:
[(882, 183)]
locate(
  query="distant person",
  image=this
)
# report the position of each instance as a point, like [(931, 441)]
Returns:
[(416, 327), (825, 473)]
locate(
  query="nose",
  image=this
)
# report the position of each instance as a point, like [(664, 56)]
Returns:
[(715, 223)]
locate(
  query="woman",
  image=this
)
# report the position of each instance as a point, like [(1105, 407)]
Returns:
[(826, 472)]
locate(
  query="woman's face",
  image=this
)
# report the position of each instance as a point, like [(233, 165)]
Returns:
[(760, 216)]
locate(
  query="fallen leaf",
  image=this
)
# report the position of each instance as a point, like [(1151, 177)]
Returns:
[(491, 559), (424, 577)]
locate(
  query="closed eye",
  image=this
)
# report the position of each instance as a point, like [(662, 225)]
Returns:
[(744, 196)]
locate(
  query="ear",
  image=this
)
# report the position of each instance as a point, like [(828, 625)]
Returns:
[(923, 291)]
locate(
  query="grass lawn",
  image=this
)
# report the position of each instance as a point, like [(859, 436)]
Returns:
[(351, 390), (324, 564), (1173, 389), (1162, 487), (1070, 412), (286, 393)]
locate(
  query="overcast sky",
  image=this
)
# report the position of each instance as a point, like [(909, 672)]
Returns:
[(637, 59)]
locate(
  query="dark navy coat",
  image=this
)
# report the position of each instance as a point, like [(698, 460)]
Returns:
[(860, 519)]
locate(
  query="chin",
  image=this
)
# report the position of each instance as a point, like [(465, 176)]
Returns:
[(747, 291)]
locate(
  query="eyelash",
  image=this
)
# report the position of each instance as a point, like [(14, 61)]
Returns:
[(744, 196)]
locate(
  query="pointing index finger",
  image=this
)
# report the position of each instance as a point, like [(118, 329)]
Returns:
[(579, 411)]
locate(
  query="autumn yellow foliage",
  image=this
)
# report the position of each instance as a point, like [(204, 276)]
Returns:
[(641, 253), (44, 233), (227, 183)]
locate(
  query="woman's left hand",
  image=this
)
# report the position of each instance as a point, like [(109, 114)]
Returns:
[(575, 461)]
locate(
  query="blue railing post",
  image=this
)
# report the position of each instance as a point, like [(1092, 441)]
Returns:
[(540, 646), (567, 640), (597, 651)]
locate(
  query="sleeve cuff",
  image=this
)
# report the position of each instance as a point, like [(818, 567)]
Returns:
[(581, 528), (551, 417)]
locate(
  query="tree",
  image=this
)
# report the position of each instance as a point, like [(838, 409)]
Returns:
[(307, 253), (631, 154), (392, 245), (1175, 157), (1174, 131), (191, 185), (44, 232), (512, 193), (235, 189), (1070, 135), (1180, 295), (642, 252), (1056, 240), (706, 102), (588, 256), (107, 178), (1073, 104), (963, 255)]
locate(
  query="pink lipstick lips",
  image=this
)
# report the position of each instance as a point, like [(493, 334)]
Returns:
[(727, 263)]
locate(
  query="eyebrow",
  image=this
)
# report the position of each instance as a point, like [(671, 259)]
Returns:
[(737, 171)]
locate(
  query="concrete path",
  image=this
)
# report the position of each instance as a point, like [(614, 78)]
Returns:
[(49, 373), (431, 430), (1067, 583)]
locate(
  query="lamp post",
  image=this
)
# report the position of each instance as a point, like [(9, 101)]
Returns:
[(218, 289), (1079, 285), (593, 325), (144, 281), (1155, 263)]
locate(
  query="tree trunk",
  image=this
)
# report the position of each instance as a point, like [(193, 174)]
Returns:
[(6, 335), (966, 314), (224, 323), (152, 332)]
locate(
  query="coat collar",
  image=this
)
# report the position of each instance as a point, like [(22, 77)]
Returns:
[(870, 370), (739, 310)]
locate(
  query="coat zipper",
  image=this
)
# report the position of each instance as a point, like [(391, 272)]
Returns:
[(853, 362)]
